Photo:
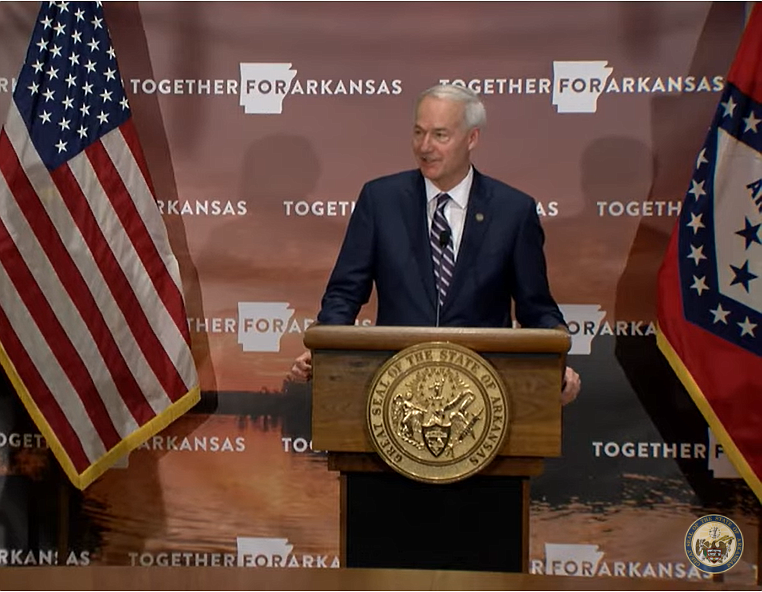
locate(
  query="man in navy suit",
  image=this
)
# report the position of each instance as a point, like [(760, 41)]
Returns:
[(444, 244)]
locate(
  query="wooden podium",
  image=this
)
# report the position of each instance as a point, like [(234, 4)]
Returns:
[(480, 523)]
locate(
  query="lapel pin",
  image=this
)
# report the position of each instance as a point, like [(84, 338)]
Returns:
[(479, 217)]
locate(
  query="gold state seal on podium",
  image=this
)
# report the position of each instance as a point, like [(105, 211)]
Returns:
[(437, 412)]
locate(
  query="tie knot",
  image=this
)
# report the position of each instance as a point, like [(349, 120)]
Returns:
[(442, 199)]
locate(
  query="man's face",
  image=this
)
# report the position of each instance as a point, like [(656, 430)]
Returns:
[(441, 143)]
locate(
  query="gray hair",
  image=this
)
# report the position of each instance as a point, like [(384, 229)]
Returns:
[(474, 113)]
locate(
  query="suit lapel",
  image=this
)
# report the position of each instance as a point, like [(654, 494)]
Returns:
[(414, 215), (474, 230)]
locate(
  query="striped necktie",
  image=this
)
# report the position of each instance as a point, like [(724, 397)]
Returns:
[(442, 252)]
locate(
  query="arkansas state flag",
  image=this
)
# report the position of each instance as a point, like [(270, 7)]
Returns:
[(710, 283)]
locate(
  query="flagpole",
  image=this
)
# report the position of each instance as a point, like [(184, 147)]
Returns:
[(63, 515)]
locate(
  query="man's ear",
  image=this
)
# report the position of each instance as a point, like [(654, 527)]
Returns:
[(473, 138)]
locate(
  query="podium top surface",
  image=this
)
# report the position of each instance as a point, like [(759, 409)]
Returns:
[(342, 337)]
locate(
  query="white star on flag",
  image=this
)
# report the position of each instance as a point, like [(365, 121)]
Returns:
[(720, 315), (696, 223), (751, 122), (697, 189), (697, 254), (747, 327), (701, 159), (699, 284)]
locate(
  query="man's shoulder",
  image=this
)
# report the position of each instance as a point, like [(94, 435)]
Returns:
[(395, 180), (505, 194)]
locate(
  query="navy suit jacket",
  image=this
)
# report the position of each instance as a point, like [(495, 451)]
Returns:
[(387, 242)]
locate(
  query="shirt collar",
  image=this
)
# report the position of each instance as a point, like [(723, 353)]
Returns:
[(459, 193)]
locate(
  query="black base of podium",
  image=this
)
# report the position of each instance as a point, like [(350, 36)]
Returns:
[(394, 522)]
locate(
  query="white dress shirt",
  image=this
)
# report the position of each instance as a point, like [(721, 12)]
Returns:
[(455, 209)]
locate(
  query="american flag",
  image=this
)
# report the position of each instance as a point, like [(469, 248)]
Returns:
[(93, 331), (710, 283)]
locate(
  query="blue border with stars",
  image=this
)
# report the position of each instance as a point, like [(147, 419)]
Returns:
[(703, 302)]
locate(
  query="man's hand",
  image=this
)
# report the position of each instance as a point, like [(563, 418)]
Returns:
[(301, 371), (572, 384)]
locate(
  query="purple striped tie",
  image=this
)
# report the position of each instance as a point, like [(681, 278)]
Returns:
[(442, 251)]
